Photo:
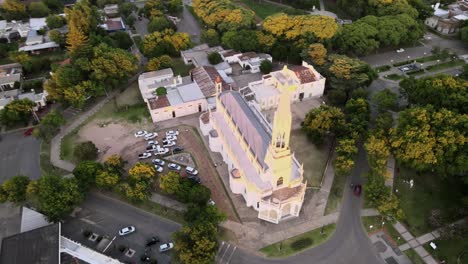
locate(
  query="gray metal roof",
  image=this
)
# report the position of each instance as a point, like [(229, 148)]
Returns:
[(10, 78), (190, 92), (159, 73)]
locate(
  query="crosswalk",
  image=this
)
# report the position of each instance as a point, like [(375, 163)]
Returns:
[(225, 253)]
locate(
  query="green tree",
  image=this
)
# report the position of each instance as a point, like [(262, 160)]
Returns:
[(85, 151), (322, 121), (159, 24), (196, 244), (55, 5), (210, 37), (199, 214), (115, 164), (385, 100), (214, 58), (57, 197), (127, 8), (38, 9), (244, 40), (123, 40), (85, 172), (57, 37), (357, 38), (107, 180), (17, 111), (345, 152), (266, 66), (357, 117), (375, 190), (49, 125), (170, 182), (199, 194), (15, 188), (13, 10), (55, 21), (174, 6), (464, 34)]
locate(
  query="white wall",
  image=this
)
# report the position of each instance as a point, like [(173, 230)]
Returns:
[(184, 109)]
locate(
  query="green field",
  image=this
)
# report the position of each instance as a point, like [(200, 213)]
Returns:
[(451, 250), (394, 77), (414, 257), (263, 9), (299, 243), (336, 194), (376, 223), (445, 65)]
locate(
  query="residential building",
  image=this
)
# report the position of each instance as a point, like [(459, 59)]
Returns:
[(111, 10), (114, 24), (261, 165), (250, 61), (448, 21), (40, 99), (305, 81), (198, 56), (34, 38), (37, 23), (9, 74), (11, 29), (40, 48)]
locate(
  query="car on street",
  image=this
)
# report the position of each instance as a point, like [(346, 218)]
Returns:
[(173, 166), (159, 162), (141, 133), (28, 132), (152, 142), (177, 149), (150, 136), (152, 241), (126, 230), (400, 50), (357, 190), (168, 144), (191, 171), (172, 133), (158, 168), (166, 247), (144, 155), (194, 179)]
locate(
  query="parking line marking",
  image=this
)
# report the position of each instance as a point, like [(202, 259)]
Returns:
[(229, 259), (227, 249), (220, 247)]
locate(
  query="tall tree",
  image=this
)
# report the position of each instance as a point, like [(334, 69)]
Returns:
[(17, 111), (13, 9), (85, 172), (15, 188)]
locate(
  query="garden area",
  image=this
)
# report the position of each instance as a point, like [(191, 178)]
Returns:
[(299, 243), (263, 9), (387, 227), (450, 250)]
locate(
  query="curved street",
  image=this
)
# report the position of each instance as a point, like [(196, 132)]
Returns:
[(348, 245)]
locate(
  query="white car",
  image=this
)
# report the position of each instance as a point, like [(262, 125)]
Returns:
[(152, 148), (172, 133), (141, 133), (161, 151), (169, 144), (191, 171), (211, 202), (144, 155), (152, 142), (400, 50), (126, 230), (150, 136), (158, 162), (171, 138), (165, 247), (173, 166), (158, 168)]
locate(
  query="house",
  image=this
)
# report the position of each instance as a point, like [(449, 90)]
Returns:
[(39, 48), (37, 23), (40, 99), (249, 60), (305, 81), (11, 30), (42, 242), (111, 10), (34, 38), (259, 160), (9, 74), (113, 24), (198, 56), (448, 21), (183, 97)]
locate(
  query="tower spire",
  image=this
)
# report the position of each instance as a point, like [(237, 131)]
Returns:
[(282, 122)]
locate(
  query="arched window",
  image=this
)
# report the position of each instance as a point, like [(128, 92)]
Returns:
[(279, 182)]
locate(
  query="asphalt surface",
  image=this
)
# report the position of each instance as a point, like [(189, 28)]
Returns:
[(349, 244), (19, 155), (189, 25), (106, 216)]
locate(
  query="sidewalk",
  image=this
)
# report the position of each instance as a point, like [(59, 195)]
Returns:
[(416, 243)]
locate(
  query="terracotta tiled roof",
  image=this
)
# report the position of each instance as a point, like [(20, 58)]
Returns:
[(285, 193), (230, 53), (159, 102), (248, 55), (304, 74), (205, 77)]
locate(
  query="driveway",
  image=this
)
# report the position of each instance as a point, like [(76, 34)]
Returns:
[(189, 25), (105, 216), (19, 155)]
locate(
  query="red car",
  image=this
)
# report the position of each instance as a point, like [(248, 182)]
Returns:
[(28, 132), (357, 190)]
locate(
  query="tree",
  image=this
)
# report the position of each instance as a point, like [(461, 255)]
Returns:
[(174, 6), (85, 151), (161, 91), (114, 164), (13, 10), (55, 21), (107, 180), (57, 37), (357, 38), (141, 173), (38, 9), (199, 194), (14, 188), (385, 100), (153, 64), (17, 111), (243, 40), (136, 193), (170, 182), (464, 34), (378, 152), (55, 5), (317, 53), (390, 208), (210, 37), (85, 172), (196, 244), (199, 214), (57, 196), (345, 151), (223, 15), (375, 190), (214, 58), (166, 42), (123, 40), (49, 125), (322, 121), (266, 66), (127, 8), (357, 117), (165, 61), (159, 24), (76, 41)]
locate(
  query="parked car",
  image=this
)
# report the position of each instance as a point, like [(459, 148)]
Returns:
[(151, 148), (172, 133), (400, 50), (152, 142), (141, 133), (159, 162), (28, 132), (171, 138), (150, 136), (126, 230), (152, 241), (165, 247), (173, 166), (211, 202), (194, 178), (177, 149), (168, 143), (158, 168), (144, 155), (357, 190), (161, 151), (191, 171)]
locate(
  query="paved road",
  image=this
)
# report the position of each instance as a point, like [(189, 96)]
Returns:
[(349, 244), (189, 25), (106, 216), (19, 155)]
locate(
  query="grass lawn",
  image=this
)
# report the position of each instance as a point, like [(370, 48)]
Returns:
[(416, 72), (179, 67), (314, 158), (445, 65), (383, 68), (450, 250), (427, 58), (376, 223), (414, 257), (430, 191), (336, 194), (68, 145), (394, 77), (299, 243), (263, 9)]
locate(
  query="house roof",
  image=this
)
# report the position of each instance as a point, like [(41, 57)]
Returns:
[(303, 73), (10, 78), (205, 77), (31, 220), (229, 53), (113, 24), (153, 74), (38, 246), (190, 92), (37, 23), (159, 102), (45, 45), (248, 55)]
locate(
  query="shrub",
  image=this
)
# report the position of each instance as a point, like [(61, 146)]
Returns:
[(301, 243), (85, 151), (214, 58), (266, 66), (161, 91)]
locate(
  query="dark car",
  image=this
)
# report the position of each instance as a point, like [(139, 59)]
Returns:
[(177, 149), (194, 178), (152, 241), (28, 132), (357, 190)]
